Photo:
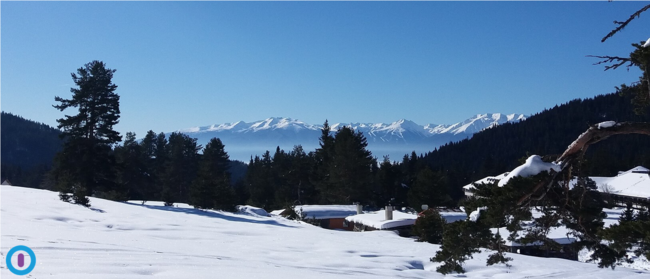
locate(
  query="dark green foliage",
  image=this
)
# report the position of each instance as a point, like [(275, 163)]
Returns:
[(86, 164), (350, 173), (324, 157), (132, 170), (149, 187), (429, 188), (180, 168), (429, 227), (461, 239), (391, 189), (28, 148), (259, 182), (211, 189), (291, 213), (631, 234), (499, 246)]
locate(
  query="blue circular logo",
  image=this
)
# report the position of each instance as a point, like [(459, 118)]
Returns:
[(21, 260)]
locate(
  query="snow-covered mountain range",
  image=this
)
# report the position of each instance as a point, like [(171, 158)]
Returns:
[(243, 139)]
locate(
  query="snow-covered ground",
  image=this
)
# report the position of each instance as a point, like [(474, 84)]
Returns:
[(130, 240)]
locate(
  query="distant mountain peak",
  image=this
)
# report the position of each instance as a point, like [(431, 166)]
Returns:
[(286, 132)]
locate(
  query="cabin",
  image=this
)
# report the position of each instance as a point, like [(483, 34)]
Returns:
[(326, 216)]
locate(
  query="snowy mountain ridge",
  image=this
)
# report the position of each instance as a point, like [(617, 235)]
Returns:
[(471, 125), (246, 139)]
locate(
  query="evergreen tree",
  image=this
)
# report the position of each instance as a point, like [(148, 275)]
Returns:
[(211, 188), (350, 170), (389, 178), (430, 227), (460, 241), (180, 169), (299, 176), (86, 163), (258, 182), (132, 170), (429, 188), (150, 185), (280, 169), (323, 156)]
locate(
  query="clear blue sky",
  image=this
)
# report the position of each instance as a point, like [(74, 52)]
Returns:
[(184, 64)]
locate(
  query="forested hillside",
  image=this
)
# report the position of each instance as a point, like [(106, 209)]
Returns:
[(28, 148), (549, 132)]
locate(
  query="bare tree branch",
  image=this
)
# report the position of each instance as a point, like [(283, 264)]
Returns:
[(614, 60), (622, 25)]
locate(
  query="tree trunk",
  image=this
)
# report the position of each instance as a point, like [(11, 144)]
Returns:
[(595, 135)]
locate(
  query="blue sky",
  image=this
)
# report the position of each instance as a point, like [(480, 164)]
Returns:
[(184, 64)]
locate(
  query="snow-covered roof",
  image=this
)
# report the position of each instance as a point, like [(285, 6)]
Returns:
[(637, 169), (629, 183), (326, 211), (378, 220)]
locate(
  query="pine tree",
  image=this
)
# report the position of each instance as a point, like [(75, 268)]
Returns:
[(132, 173), (461, 239), (430, 227), (323, 156), (429, 188), (180, 169), (86, 164), (351, 169), (258, 182), (211, 188), (299, 176), (150, 186)]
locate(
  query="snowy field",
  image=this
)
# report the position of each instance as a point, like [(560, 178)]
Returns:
[(129, 240)]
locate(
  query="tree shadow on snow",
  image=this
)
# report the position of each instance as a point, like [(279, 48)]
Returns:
[(211, 214)]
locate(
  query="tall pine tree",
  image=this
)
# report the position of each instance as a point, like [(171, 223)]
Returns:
[(211, 188), (86, 164)]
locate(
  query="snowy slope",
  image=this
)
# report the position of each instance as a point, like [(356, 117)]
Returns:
[(244, 139), (121, 240)]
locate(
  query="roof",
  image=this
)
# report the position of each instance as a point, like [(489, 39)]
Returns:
[(449, 214), (378, 221), (6, 182), (631, 184), (326, 211), (637, 169)]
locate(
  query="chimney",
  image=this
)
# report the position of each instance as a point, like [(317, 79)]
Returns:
[(359, 208), (389, 212)]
